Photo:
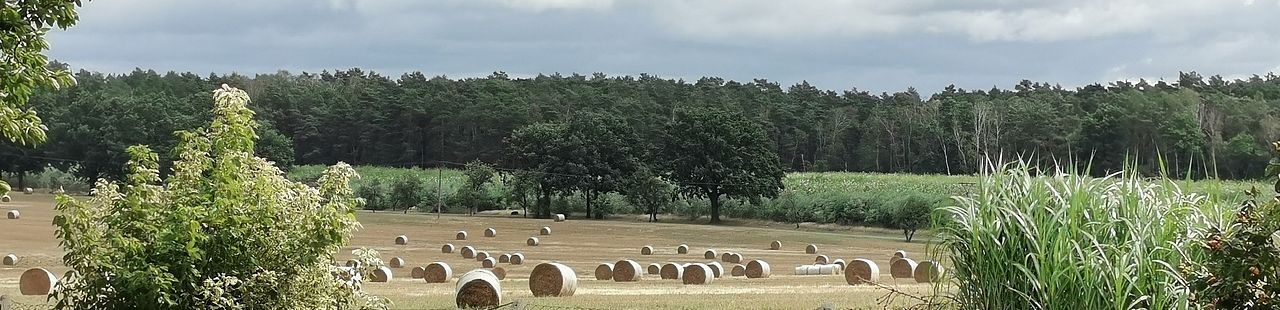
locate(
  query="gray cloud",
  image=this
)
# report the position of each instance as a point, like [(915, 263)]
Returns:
[(870, 44)]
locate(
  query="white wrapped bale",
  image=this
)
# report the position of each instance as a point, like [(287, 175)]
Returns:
[(478, 288)]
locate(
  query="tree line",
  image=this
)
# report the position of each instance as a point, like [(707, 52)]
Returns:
[(1201, 127)]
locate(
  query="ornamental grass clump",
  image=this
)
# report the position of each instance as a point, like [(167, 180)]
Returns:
[(225, 230), (1067, 241)]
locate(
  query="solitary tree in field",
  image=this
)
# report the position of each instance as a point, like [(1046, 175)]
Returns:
[(714, 154), (649, 192), (23, 69), (478, 174)]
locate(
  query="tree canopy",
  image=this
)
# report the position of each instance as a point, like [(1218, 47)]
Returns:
[(715, 153)]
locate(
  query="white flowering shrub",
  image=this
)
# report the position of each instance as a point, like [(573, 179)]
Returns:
[(225, 231)]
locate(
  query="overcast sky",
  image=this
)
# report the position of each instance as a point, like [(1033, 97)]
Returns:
[(877, 45)]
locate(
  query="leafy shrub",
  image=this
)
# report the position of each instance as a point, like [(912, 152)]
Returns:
[(226, 230)]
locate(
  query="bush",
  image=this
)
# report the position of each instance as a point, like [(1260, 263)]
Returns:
[(226, 230), (910, 213), (406, 192), (372, 195)]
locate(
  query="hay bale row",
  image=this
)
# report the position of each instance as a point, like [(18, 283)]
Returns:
[(478, 288), (811, 249), (462, 235), (447, 248), (817, 270), (10, 260), (402, 240), (559, 217), (381, 274), (627, 271), (646, 250), (437, 272), (709, 254), (928, 272), (671, 271), (902, 268), (396, 262), (682, 249), (37, 281), (698, 274), (517, 259), (757, 269), (490, 232), (776, 245), (468, 252), (13, 215), (553, 279), (861, 271), (604, 271), (653, 269), (545, 231)]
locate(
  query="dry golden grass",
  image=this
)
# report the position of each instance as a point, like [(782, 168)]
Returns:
[(580, 244)]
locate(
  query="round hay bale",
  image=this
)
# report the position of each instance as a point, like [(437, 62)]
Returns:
[(776, 245), (802, 270), (902, 268), (646, 250), (604, 271), (517, 259), (504, 258), (736, 258), (532, 241), (353, 263), (716, 268), (418, 272), (478, 288), (900, 254), (488, 262), (482, 255), (28, 191), (553, 279), (726, 256), (811, 249), (545, 231), (738, 271), (490, 232), (5, 198), (861, 271), (13, 215), (559, 217), (396, 262), (437, 272), (928, 272), (709, 254), (447, 248), (382, 274), (671, 271), (37, 281), (402, 240), (757, 269), (682, 249), (839, 262), (468, 252), (10, 260), (462, 235), (698, 274), (654, 269), (821, 260), (627, 271), (828, 269), (500, 272)]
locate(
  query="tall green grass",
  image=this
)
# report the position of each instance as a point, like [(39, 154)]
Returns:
[(1068, 241)]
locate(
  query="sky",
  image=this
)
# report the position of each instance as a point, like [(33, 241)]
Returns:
[(875, 45)]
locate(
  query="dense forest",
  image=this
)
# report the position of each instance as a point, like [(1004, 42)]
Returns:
[(1203, 127)]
